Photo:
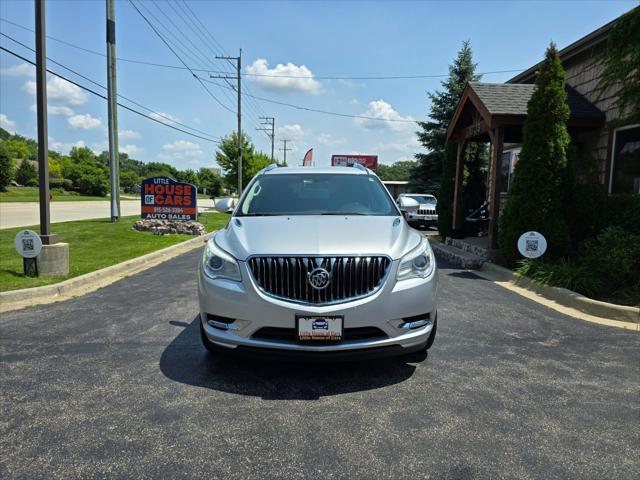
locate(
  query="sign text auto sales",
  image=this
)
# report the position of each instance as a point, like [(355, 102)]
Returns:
[(165, 199)]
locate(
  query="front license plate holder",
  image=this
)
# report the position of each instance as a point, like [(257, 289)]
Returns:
[(320, 328)]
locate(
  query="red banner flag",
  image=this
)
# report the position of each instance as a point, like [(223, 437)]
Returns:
[(308, 158)]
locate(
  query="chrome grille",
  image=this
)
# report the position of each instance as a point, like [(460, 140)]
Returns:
[(423, 211), (350, 277)]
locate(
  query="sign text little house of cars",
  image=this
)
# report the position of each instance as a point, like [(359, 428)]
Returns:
[(165, 199)]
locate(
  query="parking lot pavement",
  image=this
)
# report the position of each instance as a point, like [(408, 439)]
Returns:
[(117, 384)]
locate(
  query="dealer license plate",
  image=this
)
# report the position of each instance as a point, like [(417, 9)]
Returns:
[(320, 328)]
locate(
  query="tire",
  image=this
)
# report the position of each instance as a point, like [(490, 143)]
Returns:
[(432, 337)]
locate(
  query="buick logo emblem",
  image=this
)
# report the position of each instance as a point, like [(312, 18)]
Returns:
[(319, 278)]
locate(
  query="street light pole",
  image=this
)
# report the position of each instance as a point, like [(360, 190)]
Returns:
[(43, 140)]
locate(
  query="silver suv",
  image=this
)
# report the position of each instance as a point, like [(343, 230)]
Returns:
[(317, 262)]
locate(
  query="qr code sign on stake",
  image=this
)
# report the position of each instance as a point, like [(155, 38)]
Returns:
[(531, 245)]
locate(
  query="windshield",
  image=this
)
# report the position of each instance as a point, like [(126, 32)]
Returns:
[(317, 194), (423, 198)]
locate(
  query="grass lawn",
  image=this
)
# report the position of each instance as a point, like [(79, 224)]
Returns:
[(93, 244), (30, 194)]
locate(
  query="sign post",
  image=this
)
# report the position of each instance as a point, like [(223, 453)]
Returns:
[(162, 198), (28, 244)]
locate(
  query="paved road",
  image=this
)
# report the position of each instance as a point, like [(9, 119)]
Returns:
[(117, 384), (22, 214)]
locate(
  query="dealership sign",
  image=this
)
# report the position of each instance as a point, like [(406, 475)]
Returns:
[(369, 161), (165, 199)]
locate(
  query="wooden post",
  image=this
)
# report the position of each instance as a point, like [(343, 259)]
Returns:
[(497, 142), (457, 193)]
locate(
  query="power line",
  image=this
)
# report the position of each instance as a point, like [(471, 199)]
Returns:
[(102, 86), (179, 58), (326, 112), (104, 97), (317, 77)]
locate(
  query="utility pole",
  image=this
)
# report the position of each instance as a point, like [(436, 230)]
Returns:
[(238, 60), (112, 108), (43, 140), (285, 149), (271, 132)]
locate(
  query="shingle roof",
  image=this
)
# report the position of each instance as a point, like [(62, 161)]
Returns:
[(512, 98)]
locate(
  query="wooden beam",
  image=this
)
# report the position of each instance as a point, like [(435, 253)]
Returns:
[(497, 142), (457, 192)]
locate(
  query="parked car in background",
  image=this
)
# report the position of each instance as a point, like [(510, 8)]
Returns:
[(317, 262), (418, 208)]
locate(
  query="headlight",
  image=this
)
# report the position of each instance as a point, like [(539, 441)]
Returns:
[(217, 263), (417, 263)]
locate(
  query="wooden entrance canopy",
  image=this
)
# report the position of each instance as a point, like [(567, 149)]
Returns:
[(495, 113)]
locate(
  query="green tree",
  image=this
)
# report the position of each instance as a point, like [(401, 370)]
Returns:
[(227, 158), (128, 179), (87, 175), (17, 148), (621, 62), (400, 171), (7, 167), (433, 132), (536, 196), (26, 173), (209, 180)]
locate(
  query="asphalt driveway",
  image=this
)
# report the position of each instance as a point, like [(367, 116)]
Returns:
[(117, 384)]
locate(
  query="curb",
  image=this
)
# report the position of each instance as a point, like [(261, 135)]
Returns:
[(92, 281), (562, 296)]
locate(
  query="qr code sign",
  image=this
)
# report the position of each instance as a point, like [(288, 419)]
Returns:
[(149, 199), (27, 244), (531, 245)]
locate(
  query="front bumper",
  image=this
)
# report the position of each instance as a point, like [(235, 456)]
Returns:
[(421, 219), (252, 310)]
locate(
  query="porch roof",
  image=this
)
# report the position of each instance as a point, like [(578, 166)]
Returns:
[(487, 105)]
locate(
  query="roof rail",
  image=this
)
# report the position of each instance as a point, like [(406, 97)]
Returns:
[(268, 168), (361, 167)]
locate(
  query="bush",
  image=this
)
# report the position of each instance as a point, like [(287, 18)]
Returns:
[(32, 182), (89, 183), (608, 267), (7, 167)]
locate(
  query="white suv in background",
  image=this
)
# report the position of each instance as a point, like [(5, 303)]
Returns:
[(418, 208)]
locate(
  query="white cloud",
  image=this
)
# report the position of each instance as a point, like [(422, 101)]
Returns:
[(384, 111), (56, 110), (59, 92), (20, 70), (128, 135), (85, 121), (130, 149), (283, 77), (7, 124), (181, 150), (164, 117), (411, 144), (292, 132), (328, 139)]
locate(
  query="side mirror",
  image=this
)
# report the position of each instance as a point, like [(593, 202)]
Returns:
[(225, 205)]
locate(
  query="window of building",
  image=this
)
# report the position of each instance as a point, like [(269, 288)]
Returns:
[(625, 160)]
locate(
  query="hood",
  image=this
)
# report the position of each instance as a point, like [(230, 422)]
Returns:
[(317, 235), (427, 206)]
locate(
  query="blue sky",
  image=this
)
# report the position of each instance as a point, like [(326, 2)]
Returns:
[(300, 39)]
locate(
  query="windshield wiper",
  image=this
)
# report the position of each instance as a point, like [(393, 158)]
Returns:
[(261, 214), (343, 213)]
